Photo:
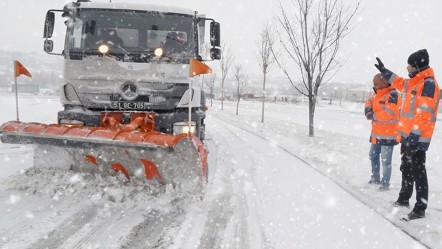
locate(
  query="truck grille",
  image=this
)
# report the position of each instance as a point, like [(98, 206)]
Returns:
[(157, 85)]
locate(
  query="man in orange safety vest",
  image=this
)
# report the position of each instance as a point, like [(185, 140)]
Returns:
[(383, 111), (416, 126)]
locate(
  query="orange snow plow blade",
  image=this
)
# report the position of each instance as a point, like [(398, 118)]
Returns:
[(134, 149)]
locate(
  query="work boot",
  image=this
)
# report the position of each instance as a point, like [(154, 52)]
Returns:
[(383, 188), (401, 204), (373, 181), (413, 215)]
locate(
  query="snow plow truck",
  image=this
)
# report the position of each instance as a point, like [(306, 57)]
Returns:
[(129, 105)]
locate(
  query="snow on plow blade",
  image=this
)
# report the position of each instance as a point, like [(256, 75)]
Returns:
[(180, 160)]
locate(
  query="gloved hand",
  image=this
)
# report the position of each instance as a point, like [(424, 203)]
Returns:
[(380, 66), (369, 116), (411, 144)]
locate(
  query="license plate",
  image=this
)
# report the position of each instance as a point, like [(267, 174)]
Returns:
[(128, 105)]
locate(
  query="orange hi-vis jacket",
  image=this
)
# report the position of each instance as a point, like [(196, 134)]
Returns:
[(383, 109), (419, 111)]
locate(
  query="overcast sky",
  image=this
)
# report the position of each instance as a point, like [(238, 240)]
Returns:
[(390, 29)]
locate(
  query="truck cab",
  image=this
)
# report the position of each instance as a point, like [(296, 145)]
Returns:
[(130, 58)]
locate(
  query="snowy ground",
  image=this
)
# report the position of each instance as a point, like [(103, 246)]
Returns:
[(270, 186)]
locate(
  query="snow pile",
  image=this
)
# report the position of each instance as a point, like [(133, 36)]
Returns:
[(60, 184)]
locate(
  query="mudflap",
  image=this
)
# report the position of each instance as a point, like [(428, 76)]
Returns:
[(154, 158)]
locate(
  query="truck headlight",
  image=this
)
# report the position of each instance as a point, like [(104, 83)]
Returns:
[(158, 52), (103, 49), (183, 127)]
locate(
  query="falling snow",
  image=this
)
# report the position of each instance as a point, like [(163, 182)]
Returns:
[(269, 186)]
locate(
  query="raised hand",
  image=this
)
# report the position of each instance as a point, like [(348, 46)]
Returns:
[(380, 66)]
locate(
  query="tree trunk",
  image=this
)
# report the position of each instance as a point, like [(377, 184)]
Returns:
[(263, 97), (222, 95), (311, 115), (239, 98)]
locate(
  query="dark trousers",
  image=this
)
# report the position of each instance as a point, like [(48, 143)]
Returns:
[(413, 171)]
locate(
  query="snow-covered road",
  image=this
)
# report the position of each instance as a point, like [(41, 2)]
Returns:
[(270, 186), (292, 204)]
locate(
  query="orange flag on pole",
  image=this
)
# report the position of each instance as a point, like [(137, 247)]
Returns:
[(20, 69), (196, 68)]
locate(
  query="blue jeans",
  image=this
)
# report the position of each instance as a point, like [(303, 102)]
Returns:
[(385, 153)]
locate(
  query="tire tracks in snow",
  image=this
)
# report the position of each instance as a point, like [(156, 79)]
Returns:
[(228, 221), (343, 187), (97, 226), (218, 217), (220, 210), (152, 231), (69, 227), (100, 232)]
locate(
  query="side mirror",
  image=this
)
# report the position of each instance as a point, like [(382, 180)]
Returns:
[(48, 46), (215, 34), (49, 24), (215, 53)]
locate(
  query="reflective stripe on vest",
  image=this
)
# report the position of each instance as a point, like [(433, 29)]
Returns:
[(410, 113), (406, 85), (393, 121), (377, 136)]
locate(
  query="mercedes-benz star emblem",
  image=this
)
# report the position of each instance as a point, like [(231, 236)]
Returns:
[(129, 91)]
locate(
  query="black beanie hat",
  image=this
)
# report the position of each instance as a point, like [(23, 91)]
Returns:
[(419, 59)]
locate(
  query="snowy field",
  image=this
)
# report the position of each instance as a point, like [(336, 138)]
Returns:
[(270, 186)]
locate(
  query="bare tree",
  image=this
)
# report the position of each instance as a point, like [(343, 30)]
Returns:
[(210, 82), (311, 37), (265, 57), (226, 61), (241, 82)]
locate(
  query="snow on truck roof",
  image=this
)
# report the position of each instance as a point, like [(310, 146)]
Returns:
[(137, 6)]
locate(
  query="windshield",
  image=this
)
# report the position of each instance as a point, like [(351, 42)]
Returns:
[(131, 35)]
